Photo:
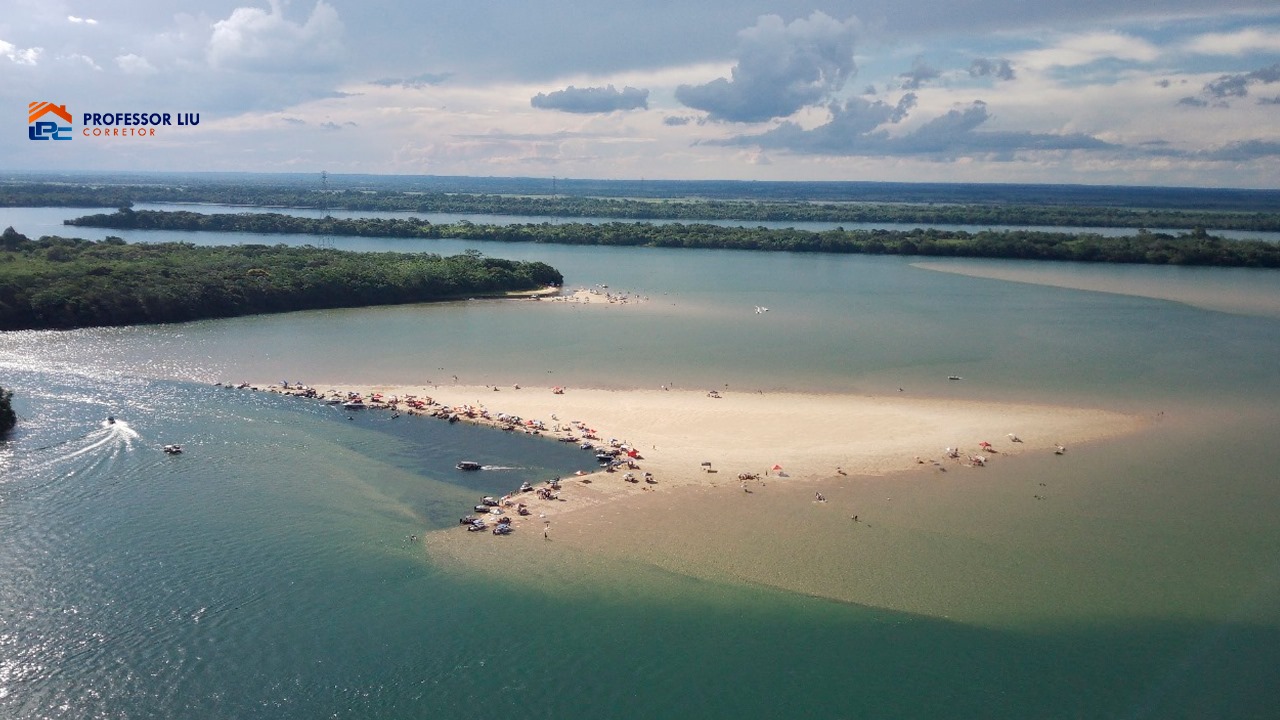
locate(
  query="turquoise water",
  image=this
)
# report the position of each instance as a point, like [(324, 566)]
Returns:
[(272, 570)]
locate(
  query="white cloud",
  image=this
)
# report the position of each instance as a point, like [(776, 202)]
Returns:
[(80, 59), (21, 56), (254, 39), (1236, 43), (79, 20), (1078, 50), (135, 65)]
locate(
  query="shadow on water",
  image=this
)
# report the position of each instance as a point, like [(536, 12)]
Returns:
[(429, 644)]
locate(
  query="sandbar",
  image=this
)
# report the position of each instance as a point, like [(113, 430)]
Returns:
[(827, 476), (1245, 291), (706, 438)]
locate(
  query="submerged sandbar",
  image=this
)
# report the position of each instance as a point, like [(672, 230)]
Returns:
[(870, 457)]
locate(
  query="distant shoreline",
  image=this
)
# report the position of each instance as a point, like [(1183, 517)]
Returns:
[(1196, 248)]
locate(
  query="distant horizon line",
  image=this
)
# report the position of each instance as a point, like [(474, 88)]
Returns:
[(10, 175)]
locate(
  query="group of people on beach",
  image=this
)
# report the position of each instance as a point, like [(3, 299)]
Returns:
[(599, 293)]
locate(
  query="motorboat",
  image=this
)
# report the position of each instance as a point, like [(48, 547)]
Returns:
[(111, 419), (173, 449), (356, 404), (468, 465)]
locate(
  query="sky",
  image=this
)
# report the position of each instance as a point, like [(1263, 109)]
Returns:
[(1117, 92)]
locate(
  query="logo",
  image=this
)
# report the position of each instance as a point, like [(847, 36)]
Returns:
[(38, 129)]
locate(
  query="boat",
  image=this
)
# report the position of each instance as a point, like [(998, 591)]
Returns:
[(173, 449), (111, 419), (353, 404), (468, 465)]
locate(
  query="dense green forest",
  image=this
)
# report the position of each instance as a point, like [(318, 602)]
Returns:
[(1195, 248), (57, 282), (747, 211), (8, 418)]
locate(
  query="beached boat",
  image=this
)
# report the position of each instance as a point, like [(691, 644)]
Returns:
[(353, 404), (468, 465)]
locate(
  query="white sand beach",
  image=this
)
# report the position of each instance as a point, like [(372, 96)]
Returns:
[(695, 438), (815, 462)]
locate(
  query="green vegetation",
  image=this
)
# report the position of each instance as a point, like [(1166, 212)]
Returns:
[(8, 418), (1194, 248), (1023, 214), (60, 282)]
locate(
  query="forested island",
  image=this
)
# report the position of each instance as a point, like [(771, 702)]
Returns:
[(1194, 248), (8, 418), (57, 282), (1044, 212)]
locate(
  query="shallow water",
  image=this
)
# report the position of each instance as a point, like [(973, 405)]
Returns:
[(270, 572)]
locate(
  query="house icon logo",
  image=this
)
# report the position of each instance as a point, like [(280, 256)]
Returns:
[(42, 121)]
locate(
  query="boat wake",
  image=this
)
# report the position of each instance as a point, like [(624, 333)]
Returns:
[(500, 467), (97, 448)]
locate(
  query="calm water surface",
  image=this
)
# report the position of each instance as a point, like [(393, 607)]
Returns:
[(271, 572), (35, 222)]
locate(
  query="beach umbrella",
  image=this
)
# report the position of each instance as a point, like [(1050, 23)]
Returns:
[(984, 444), (777, 467)]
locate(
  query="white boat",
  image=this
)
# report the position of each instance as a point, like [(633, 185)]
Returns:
[(468, 465)]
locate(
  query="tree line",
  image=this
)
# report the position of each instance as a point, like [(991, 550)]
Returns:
[(1193, 248), (682, 209), (8, 418), (57, 282)]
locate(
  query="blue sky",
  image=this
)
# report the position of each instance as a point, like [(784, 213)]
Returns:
[(1164, 92)]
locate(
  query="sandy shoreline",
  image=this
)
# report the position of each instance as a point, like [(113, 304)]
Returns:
[(691, 438), (842, 457)]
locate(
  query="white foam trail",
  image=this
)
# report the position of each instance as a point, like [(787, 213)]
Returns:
[(109, 441)]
